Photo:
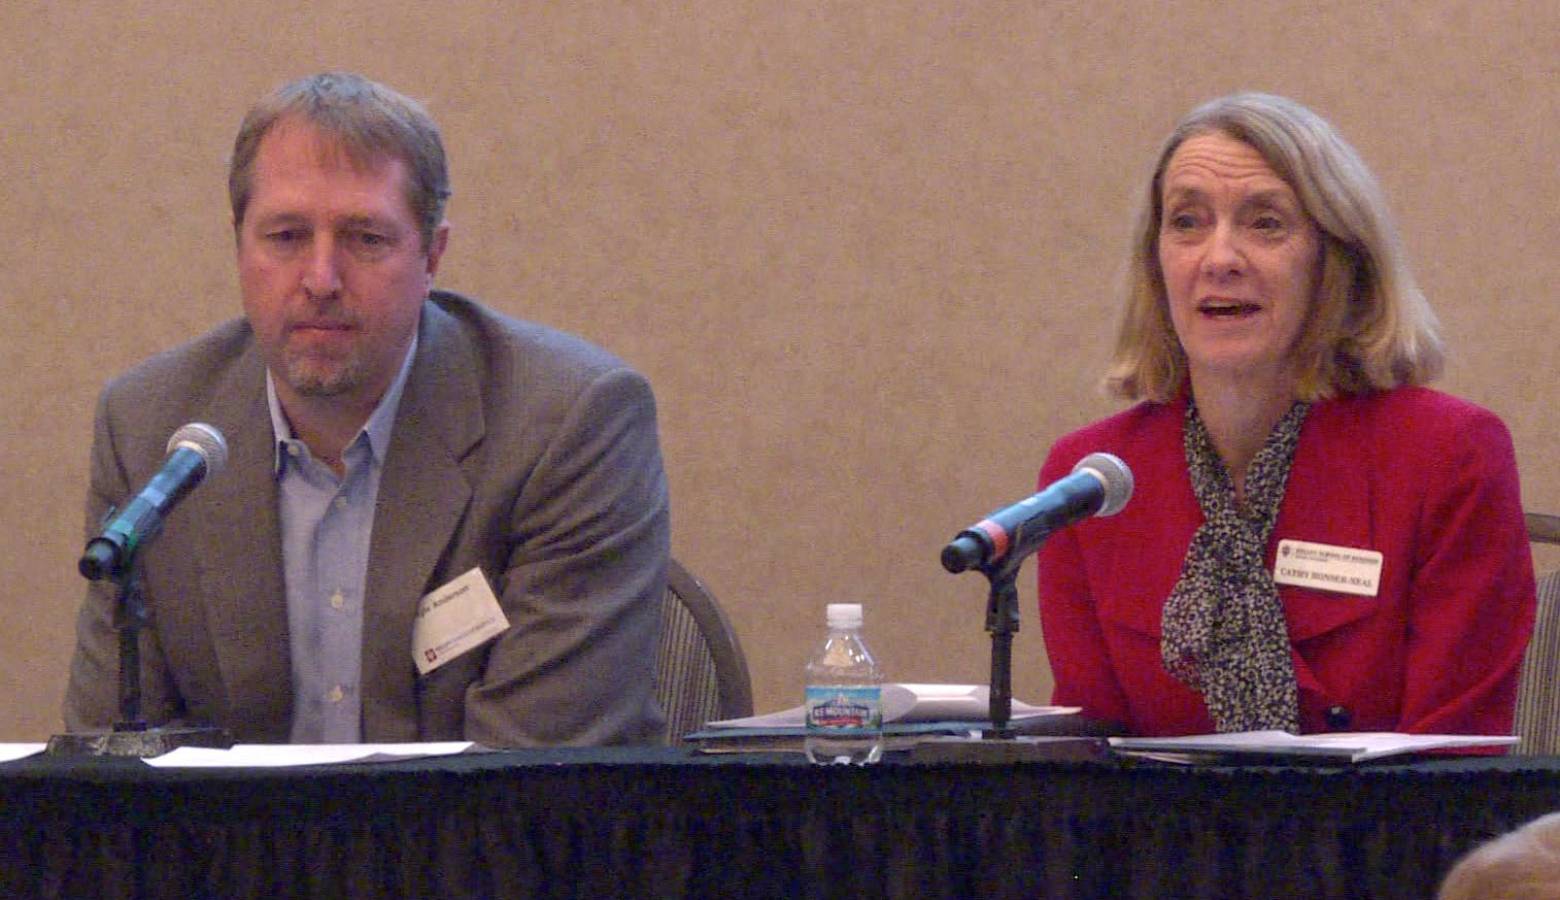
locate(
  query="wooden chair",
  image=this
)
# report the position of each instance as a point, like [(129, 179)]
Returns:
[(1543, 529), (701, 672), (1538, 694)]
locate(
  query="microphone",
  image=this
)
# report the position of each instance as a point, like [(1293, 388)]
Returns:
[(195, 452), (1100, 484)]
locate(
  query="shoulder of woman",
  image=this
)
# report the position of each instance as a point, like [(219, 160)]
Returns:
[(1417, 421), (1415, 407)]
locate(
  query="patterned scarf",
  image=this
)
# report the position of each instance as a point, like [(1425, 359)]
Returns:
[(1223, 627)]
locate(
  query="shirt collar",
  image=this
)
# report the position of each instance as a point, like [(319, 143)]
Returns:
[(377, 428)]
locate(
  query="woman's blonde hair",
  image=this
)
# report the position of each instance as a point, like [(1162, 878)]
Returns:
[(1369, 328)]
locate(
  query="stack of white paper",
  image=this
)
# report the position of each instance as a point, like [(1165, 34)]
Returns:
[(9, 752), (907, 703), (275, 755), (1351, 746)]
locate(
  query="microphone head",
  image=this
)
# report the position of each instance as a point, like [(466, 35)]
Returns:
[(1114, 476), (205, 440)]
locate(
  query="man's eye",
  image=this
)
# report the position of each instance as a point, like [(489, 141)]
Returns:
[(1181, 221), (1268, 223)]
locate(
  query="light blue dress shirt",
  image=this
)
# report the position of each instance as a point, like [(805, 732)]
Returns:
[(327, 522)]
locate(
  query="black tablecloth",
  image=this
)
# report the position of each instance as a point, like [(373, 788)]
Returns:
[(666, 823)]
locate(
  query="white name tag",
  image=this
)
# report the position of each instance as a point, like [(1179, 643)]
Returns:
[(453, 619), (1324, 567)]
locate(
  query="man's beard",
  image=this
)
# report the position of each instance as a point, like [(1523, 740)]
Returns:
[(313, 377)]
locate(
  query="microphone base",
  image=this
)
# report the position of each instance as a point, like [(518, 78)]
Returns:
[(147, 742)]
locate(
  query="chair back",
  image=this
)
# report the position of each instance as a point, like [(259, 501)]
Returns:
[(1543, 529), (701, 672), (1538, 694)]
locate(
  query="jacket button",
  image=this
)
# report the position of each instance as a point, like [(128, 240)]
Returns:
[(1338, 718)]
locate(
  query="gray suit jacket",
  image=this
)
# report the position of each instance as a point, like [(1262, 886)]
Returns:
[(516, 448)]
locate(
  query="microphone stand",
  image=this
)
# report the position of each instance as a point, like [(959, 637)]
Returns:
[(129, 616), (1000, 743), (1001, 624), (131, 735)]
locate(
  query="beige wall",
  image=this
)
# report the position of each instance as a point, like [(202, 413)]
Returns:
[(864, 250)]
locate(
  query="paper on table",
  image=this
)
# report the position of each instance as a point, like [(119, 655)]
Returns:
[(912, 703), (1357, 746), (9, 752), (276, 755)]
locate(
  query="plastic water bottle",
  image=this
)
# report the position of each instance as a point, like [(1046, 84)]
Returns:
[(844, 694)]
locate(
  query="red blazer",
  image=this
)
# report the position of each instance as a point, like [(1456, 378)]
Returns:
[(1427, 479)]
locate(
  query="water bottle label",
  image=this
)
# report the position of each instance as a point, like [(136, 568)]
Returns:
[(845, 710)]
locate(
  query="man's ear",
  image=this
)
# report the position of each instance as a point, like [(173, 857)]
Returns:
[(441, 239)]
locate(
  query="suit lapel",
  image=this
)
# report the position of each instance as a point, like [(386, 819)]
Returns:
[(1328, 498), (1328, 501), (1156, 526), (239, 555), (423, 494)]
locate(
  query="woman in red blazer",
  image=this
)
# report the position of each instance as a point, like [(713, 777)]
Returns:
[(1315, 542)]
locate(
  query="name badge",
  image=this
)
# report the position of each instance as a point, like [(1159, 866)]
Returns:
[(453, 619), (1324, 567)]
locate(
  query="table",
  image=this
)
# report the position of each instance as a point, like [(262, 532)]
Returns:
[(663, 822)]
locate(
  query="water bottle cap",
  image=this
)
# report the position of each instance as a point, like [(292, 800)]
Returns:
[(844, 615)]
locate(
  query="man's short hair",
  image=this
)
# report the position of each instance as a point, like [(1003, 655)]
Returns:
[(369, 121)]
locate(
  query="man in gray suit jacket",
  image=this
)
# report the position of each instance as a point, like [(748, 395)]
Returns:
[(386, 439)]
